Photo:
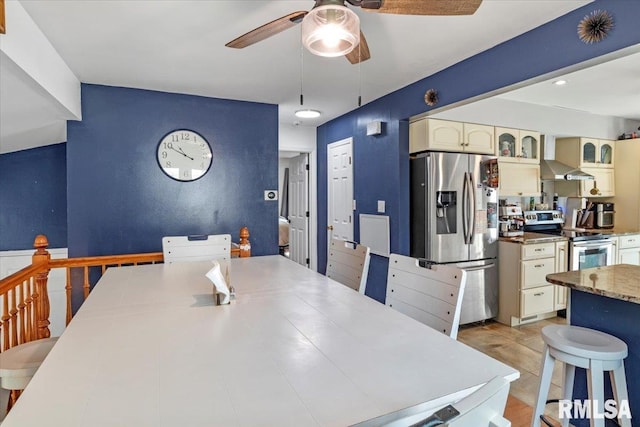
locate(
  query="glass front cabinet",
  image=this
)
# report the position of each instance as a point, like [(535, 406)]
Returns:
[(583, 152), (517, 146), (596, 153)]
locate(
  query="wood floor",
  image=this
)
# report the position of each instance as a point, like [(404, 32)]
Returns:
[(520, 347)]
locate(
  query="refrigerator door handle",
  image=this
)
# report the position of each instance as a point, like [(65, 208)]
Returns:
[(465, 201), (472, 220)]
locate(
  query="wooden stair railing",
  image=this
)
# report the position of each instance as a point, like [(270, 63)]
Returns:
[(24, 296)]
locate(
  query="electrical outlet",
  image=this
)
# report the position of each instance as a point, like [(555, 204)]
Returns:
[(380, 206), (271, 194)]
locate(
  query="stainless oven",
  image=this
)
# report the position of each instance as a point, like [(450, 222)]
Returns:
[(590, 253)]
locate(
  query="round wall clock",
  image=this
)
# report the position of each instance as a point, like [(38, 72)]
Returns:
[(184, 155)]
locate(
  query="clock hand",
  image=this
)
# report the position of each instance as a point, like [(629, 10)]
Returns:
[(181, 152)]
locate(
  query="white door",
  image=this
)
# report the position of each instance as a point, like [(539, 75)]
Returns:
[(299, 209), (340, 201)]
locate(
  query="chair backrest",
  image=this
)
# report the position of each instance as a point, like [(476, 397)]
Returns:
[(196, 248), (349, 264), (431, 295)]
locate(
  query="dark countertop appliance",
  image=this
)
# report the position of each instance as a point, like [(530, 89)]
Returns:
[(603, 215)]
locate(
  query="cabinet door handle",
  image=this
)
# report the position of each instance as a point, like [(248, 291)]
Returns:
[(539, 265), (539, 250), (538, 294)]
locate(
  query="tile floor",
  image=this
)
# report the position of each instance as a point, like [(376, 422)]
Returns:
[(520, 347)]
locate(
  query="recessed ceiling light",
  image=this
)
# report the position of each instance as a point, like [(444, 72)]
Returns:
[(560, 82), (307, 114)]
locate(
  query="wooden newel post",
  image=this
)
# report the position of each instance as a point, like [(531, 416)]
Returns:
[(245, 245), (41, 293)]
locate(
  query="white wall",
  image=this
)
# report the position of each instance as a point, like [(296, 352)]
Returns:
[(296, 138), (547, 120)]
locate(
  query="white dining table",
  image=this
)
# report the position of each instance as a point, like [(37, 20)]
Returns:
[(149, 347)]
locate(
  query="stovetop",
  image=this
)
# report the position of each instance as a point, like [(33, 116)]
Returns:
[(575, 236)]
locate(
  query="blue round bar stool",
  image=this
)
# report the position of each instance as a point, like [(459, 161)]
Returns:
[(592, 350)]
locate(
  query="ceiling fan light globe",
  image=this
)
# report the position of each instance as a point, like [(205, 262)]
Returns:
[(330, 30)]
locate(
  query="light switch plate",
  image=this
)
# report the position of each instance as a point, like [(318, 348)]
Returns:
[(380, 206), (271, 194)]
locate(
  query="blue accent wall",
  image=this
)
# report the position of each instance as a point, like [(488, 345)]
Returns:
[(381, 164), (120, 201), (33, 197), (618, 318)]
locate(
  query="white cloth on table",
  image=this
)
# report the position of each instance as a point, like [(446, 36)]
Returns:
[(218, 279)]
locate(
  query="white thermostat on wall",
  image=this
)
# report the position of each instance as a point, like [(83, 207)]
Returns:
[(271, 194)]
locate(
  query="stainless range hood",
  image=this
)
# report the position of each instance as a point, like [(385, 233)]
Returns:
[(553, 170), (556, 171)]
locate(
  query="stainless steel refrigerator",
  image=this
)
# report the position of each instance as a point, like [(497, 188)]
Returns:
[(454, 221)]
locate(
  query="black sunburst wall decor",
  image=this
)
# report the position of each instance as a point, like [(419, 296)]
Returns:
[(431, 97), (595, 27)]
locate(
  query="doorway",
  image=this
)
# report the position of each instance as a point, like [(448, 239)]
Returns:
[(296, 210)]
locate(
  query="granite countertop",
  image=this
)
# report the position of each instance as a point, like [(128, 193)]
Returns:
[(621, 281), (530, 238), (615, 231)]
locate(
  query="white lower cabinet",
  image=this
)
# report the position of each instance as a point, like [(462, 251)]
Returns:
[(629, 249), (562, 265), (524, 293), (536, 301)]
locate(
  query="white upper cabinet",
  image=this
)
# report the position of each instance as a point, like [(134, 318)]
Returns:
[(518, 179), (445, 135), (517, 146), (479, 139), (585, 152)]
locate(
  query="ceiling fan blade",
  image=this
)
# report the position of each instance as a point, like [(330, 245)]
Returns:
[(428, 7), (267, 30), (360, 53)]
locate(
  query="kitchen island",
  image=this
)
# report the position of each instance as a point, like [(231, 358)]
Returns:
[(607, 299)]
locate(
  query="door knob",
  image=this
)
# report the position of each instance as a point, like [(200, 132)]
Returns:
[(330, 227)]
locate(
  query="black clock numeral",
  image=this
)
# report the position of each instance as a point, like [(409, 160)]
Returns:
[(184, 136), (202, 165), (186, 174), (164, 154), (168, 145), (174, 138), (168, 163)]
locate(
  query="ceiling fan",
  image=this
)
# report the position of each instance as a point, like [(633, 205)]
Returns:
[(332, 29)]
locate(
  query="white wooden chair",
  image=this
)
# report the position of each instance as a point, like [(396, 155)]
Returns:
[(196, 248), (432, 295), (349, 264), (20, 363)]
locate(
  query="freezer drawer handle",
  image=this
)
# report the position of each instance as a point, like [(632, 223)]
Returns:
[(539, 265), (538, 294)]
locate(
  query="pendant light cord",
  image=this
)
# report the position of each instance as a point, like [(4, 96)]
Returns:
[(359, 75), (301, 68)]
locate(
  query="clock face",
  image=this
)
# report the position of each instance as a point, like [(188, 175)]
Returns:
[(184, 155)]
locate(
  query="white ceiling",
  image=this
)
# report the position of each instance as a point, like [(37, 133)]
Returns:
[(611, 88), (178, 46)]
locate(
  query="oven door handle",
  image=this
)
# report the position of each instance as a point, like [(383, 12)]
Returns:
[(596, 244)]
